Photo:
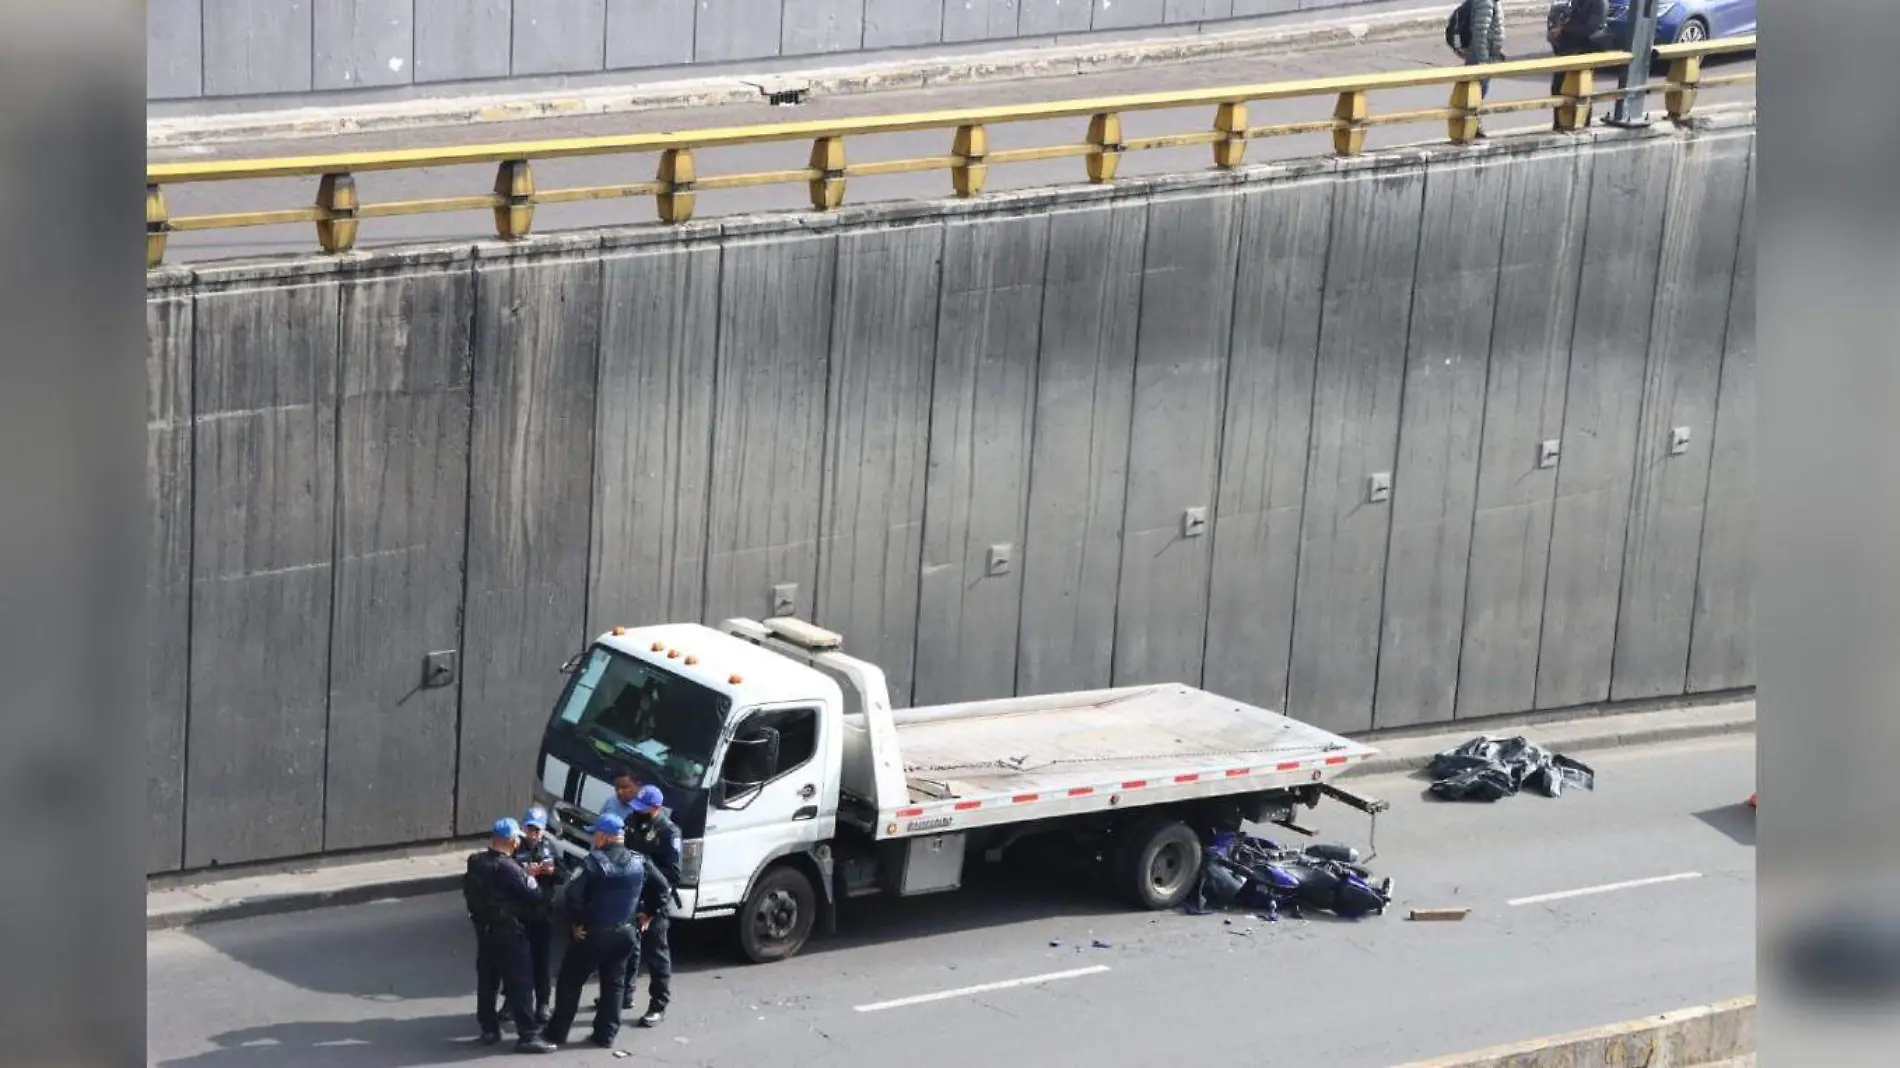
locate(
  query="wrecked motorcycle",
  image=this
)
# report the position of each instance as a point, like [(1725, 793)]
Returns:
[(1261, 874)]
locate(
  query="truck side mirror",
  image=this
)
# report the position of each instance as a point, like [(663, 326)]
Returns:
[(751, 761), (736, 795), (770, 738)]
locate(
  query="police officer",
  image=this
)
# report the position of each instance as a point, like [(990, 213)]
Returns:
[(539, 858), (611, 898), (652, 834), (500, 896)]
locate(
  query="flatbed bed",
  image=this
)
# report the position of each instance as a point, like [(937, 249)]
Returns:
[(982, 763)]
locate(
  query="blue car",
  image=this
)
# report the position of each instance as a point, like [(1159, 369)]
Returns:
[(1686, 21)]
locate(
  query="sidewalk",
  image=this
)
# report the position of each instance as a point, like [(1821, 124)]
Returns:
[(440, 872), (1321, 29)]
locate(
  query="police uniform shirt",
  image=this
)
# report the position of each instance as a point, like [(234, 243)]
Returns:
[(511, 891), (661, 842), (541, 852)]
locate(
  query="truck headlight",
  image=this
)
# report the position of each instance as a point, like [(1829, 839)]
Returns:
[(691, 853)]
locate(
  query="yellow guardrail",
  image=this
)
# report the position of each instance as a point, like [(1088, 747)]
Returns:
[(337, 212)]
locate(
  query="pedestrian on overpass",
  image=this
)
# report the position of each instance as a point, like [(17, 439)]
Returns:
[(1576, 28), (612, 899), (500, 897), (1475, 33)]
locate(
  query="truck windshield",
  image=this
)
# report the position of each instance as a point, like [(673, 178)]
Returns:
[(629, 707)]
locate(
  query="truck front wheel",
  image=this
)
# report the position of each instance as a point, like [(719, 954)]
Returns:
[(1159, 862), (777, 915)]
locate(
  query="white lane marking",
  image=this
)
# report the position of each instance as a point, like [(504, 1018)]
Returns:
[(1605, 888), (941, 995)]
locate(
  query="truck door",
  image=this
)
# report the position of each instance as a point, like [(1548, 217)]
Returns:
[(769, 798)]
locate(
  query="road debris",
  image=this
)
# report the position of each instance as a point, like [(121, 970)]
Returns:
[(1439, 914), (1487, 768)]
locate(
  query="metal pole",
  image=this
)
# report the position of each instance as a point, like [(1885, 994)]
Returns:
[(1633, 109)]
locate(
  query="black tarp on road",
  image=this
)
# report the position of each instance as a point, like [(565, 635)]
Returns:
[(1486, 769)]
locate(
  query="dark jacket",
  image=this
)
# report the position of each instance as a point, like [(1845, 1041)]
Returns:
[(540, 852), (659, 839), (1476, 27), (614, 884), (497, 892), (1578, 24)]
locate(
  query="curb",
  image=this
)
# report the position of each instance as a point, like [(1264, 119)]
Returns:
[(1703, 1036), (279, 904), (1386, 764), (972, 69)]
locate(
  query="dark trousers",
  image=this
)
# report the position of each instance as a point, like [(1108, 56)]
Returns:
[(540, 959), (502, 964), (656, 953), (607, 953), (1484, 84), (1564, 47)]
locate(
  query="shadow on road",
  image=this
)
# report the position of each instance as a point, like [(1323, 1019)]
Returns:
[(399, 951), (382, 1043), (993, 897), (1735, 821), (423, 947)]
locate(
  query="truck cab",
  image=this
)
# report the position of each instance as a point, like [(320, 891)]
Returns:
[(747, 745)]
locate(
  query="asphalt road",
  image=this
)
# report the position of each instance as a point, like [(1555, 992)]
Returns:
[(1426, 50), (389, 984)]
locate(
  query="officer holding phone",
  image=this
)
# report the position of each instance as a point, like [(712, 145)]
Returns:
[(539, 858)]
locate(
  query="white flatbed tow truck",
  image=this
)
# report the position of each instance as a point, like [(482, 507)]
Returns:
[(796, 784)]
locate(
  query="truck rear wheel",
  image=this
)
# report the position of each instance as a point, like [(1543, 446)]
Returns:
[(777, 915), (1158, 863)]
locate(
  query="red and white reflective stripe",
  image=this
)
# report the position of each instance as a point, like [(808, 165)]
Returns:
[(1188, 778)]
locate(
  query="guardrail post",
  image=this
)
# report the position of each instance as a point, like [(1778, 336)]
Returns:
[(1105, 133), (1465, 98), (1231, 119), (157, 226), (971, 145), (514, 183), (336, 198), (827, 158), (1350, 140), (1684, 75), (678, 174), (1578, 85)]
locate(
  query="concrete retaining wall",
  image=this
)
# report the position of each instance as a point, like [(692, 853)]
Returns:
[(1707, 1036), (499, 450), (261, 48)]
